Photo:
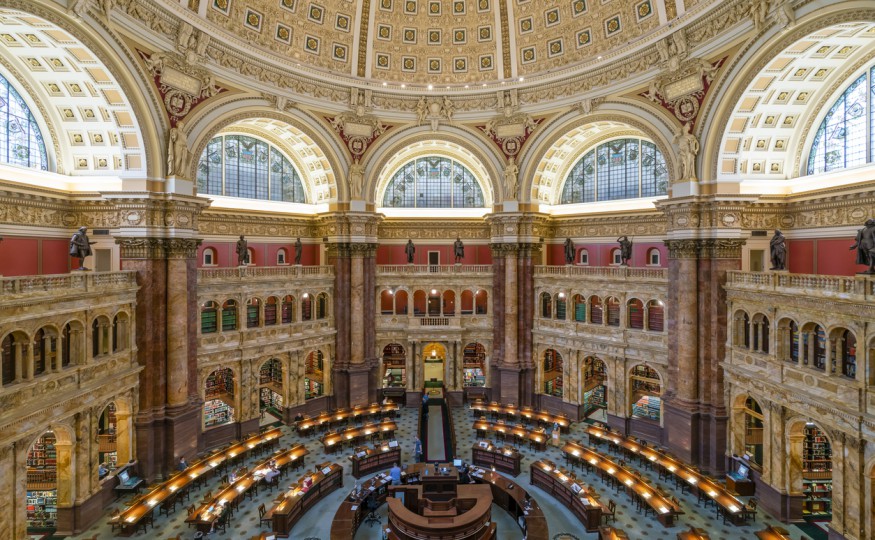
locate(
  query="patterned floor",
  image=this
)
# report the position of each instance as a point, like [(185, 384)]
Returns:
[(316, 524)]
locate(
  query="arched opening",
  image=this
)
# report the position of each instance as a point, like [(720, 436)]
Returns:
[(742, 329), (787, 341), (209, 317), (229, 316), (394, 366), (759, 330), (387, 302), (209, 257), (434, 356), (306, 307), (467, 299), (655, 316), (578, 304), (449, 305), (616, 257), (11, 358), (100, 337), (653, 257), (321, 306), (282, 257), (401, 299), (433, 182), (552, 368), (419, 304), (635, 314), (645, 393), (844, 352), (814, 346), (270, 311), (474, 365), (584, 257), (595, 385), (560, 306), (595, 310), (288, 309), (546, 306), (253, 312), (250, 255), (43, 352), (314, 375), (434, 303), (107, 449), (271, 388), (753, 431), (219, 398), (481, 300), (120, 329), (42, 484), (613, 307), (811, 469)]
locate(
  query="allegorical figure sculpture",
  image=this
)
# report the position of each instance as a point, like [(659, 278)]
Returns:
[(80, 246), (688, 148), (409, 249), (242, 251), (625, 250), (865, 246), (510, 177), (569, 251), (778, 251), (299, 248), (177, 151), (458, 249)]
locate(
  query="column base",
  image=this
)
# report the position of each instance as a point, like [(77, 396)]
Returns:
[(150, 436), (183, 430), (835, 535), (509, 385), (83, 515), (359, 385), (696, 437), (341, 389), (219, 435)]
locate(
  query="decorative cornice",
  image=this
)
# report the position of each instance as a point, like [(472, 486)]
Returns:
[(181, 248), (141, 248), (705, 248)]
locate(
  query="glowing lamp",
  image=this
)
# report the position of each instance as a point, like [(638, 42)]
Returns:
[(663, 510), (593, 460), (575, 452), (672, 468), (611, 470), (131, 519), (652, 458), (547, 468), (629, 482), (733, 508), (646, 495), (692, 480), (153, 502)]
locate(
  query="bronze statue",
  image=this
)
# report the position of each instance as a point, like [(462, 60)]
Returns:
[(459, 249), (625, 250), (778, 250), (569, 251), (865, 246), (298, 250), (242, 252), (80, 246), (409, 249)]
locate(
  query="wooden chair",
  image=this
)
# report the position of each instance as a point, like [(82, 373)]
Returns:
[(146, 522), (208, 495), (168, 506), (265, 516), (191, 512), (611, 514), (114, 518), (222, 523)]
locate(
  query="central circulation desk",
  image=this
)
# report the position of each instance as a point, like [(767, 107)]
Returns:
[(722, 496), (664, 508), (467, 515), (334, 441), (129, 518), (345, 415), (573, 493), (510, 496), (506, 459), (536, 439), (209, 512), (512, 412), (299, 498)]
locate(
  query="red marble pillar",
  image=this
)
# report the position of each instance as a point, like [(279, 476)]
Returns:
[(498, 264), (526, 285), (338, 256)]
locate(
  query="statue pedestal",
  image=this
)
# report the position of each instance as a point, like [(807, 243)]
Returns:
[(773, 270), (179, 185)]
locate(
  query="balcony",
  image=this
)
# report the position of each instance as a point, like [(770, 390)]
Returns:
[(603, 272), (855, 288), (262, 273), (431, 270), (62, 285)]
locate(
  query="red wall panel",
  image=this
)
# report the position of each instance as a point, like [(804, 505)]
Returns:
[(834, 257), (800, 256), (19, 256), (395, 254), (264, 253), (56, 256)]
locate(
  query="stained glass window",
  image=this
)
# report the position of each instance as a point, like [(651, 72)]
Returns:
[(840, 142), (243, 166), (433, 182), (21, 143), (618, 169)]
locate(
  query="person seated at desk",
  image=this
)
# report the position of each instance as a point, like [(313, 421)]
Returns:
[(299, 417), (272, 472), (102, 471), (464, 477), (395, 474), (182, 465), (232, 477)]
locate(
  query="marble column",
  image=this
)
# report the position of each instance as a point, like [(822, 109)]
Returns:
[(356, 304), (12, 509), (338, 256)]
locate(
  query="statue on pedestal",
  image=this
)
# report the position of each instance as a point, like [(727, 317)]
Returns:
[(299, 248), (865, 246), (569, 251), (778, 251), (80, 246), (458, 249), (409, 249), (242, 252), (625, 250)]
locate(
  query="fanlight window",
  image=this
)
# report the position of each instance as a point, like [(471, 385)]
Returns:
[(618, 169), (433, 182), (841, 140), (21, 143), (243, 166)]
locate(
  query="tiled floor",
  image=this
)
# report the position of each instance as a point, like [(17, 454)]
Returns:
[(316, 524)]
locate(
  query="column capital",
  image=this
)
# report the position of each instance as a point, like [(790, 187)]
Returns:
[(519, 249), (158, 248), (705, 248), (350, 249)]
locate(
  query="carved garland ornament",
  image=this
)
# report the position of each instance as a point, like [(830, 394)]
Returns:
[(182, 86)]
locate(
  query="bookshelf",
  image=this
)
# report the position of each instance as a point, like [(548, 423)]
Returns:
[(473, 377), (217, 412), (594, 399), (313, 376), (473, 365), (794, 342), (42, 483), (209, 320), (553, 373), (636, 316), (312, 388), (647, 407), (613, 312), (820, 348), (229, 316), (306, 309), (394, 366), (270, 399), (655, 317), (596, 311), (580, 310), (271, 373), (816, 473), (106, 443), (560, 309)]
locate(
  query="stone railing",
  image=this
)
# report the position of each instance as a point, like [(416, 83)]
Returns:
[(611, 272), (425, 269), (57, 285), (850, 287), (209, 275)]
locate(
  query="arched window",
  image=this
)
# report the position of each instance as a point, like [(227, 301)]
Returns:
[(288, 309), (270, 311), (433, 182), (243, 166), (23, 144), (387, 302), (401, 303), (546, 306), (250, 254), (560, 306), (618, 169), (616, 256), (578, 304), (229, 316), (655, 316), (595, 310), (553, 383), (210, 257), (635, 314), (753, 431), (653, 257), (449, 305), (584, 257), (209, 314), (419, 304), (434, 303), (480, 302), (253, 312), (841, 140), (7, 357), (306, 307), (613, 306), (219, 398), (281, 257), (321, 306)]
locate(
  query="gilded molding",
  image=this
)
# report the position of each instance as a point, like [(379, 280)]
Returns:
[(141, 248), (705, 248), (181, 248)]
